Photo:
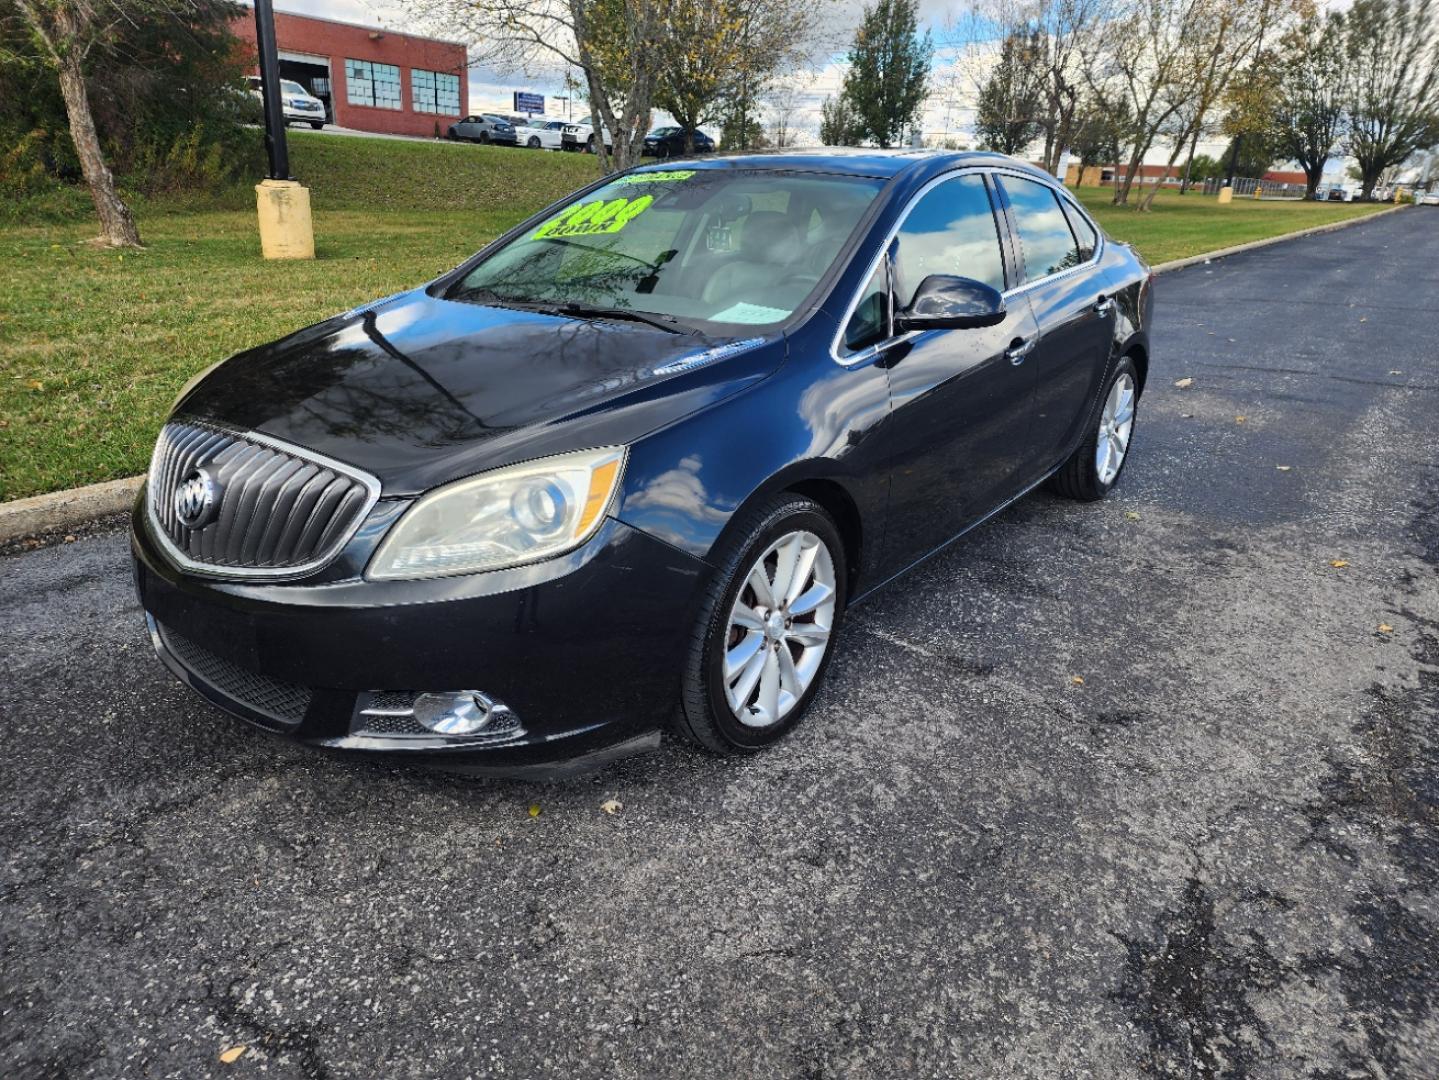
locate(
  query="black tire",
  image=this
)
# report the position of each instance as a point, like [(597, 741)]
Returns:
[(317, 124), (1078, 478), (484, 138), (534, 142), (704, 717), (590, 145), (452, 135)]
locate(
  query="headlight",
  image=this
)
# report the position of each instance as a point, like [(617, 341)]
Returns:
[(519, 514)]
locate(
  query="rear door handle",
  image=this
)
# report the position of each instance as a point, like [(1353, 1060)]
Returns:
[(1019, 348), (1103, 306)]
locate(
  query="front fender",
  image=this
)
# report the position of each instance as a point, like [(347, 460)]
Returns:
[(805, 424)]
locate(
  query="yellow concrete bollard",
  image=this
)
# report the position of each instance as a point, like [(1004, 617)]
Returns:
[(1258, 190), (286, 230), (1226, 194)]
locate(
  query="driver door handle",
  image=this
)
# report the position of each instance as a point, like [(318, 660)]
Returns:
[(1019, 348), (1103, 306)]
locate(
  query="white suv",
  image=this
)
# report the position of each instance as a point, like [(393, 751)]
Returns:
[(298, 104)]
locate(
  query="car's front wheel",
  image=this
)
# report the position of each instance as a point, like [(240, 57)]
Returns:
[(317, 124), (766, 628), (534, 142), (1095, 467)]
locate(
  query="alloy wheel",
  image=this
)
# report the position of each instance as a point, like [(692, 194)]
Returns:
[(1115, 424), (779, 629)]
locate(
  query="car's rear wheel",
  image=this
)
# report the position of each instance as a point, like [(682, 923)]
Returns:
[(1095, 467), (765, 632), (484, 138)]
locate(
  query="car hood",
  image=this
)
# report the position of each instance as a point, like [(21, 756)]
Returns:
[(418, 390)]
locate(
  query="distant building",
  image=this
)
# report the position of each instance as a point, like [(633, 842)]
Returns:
[(369, 77)]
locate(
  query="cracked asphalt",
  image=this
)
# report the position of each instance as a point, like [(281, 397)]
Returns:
[(1217, 856)]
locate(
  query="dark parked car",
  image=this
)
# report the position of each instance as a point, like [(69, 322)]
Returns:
[(668, 142), (628, 466), (485, 128)]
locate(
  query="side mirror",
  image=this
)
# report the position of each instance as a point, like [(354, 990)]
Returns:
[(946, 302)]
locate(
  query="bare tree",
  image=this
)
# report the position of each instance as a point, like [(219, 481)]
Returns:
[(609, 42), (70, 33), (1392, 53), (784, 101), (1063, 35), (1168, 63)]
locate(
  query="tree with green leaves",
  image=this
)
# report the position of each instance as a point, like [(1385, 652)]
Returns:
[(1010, 109), (1391, 84), (888, 71), (720, 56), (1308, 106), (838, 124)]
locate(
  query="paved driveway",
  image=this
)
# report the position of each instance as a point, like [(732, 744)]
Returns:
[(1216, 856)]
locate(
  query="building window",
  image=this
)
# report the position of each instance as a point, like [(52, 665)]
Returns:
[(435, 92), (376, 85)]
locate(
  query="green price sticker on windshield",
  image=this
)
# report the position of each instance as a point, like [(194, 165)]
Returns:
[(656, 177), (594, 218)]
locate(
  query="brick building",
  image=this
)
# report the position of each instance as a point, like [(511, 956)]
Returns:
[(369, 77)]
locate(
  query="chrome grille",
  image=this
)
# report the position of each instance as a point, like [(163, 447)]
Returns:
[(281, 510), (275, 698)]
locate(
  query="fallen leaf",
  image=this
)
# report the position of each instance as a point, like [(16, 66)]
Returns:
[(1284, 468), (1240, 419), (534, 809), (231, 1055), (34, 384), (1339, 564), (1184, 384), (1385, 628), (1132, 515), (1078, 680), (612, 806)]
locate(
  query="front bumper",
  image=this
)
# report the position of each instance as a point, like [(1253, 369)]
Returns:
[(585, 649)]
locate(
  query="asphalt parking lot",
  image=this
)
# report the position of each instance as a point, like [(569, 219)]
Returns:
[(1218, 855)]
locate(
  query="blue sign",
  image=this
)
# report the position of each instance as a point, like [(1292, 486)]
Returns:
[(529, 103)]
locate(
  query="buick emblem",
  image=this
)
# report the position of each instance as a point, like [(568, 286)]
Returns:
[(196, 499)]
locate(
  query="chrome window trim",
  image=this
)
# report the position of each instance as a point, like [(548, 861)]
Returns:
[(870, 351), (183, 560)]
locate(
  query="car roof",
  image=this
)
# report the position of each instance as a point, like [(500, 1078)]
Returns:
[(860, 161)]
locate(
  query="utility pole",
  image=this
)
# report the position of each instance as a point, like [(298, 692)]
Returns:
[(286, 228)]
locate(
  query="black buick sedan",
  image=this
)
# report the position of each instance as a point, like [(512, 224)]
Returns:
[(625, 469)]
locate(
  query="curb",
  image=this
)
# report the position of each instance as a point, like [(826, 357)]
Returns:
[(1268, 241), (68, 509)]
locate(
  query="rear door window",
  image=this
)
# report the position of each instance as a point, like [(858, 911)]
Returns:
[(1084, 232), (1045, 241)]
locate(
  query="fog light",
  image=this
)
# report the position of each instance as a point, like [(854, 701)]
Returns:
[(464, 712)]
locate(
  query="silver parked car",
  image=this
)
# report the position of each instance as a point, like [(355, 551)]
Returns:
[(485, 128)]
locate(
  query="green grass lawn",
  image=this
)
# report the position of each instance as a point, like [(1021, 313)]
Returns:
[(95, 344), (1183, 225)]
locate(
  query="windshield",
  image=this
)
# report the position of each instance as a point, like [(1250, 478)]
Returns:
[(702, 246), (293, 88)]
